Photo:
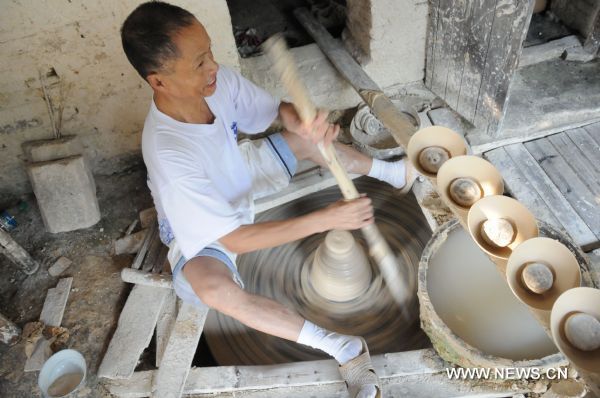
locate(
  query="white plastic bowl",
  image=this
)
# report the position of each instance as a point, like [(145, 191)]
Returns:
[(62, 363)]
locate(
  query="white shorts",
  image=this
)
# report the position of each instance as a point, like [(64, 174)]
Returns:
[(272, 164)]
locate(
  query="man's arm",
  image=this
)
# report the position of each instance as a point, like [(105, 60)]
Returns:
[(339, 215)]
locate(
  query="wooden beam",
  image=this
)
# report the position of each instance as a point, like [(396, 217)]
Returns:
[(52, 314), (472, 52), (134, 332), (170, 378), (403, 373), (138, 277), (17, 254), (164, 325), (55, 303), (547, 51)]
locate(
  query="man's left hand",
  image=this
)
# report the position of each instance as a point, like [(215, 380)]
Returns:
[(317, 130)]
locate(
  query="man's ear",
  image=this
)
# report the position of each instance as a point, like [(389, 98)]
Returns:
[(156, 81)]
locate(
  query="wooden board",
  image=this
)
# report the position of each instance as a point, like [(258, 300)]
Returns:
[(171, 376), (588, 172), (567, 181), (519, 187), (153, 255), (537, 180), (594, 131), (134, 332), (473, 47), (56, 301), (164, 325), (151, 233), (402, 374)]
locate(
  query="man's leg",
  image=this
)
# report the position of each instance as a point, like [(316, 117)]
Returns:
[(355, 162), (211, 281)]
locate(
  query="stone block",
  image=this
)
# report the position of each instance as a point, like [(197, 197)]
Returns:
[(59, 266), (53, 149), (65, 193)]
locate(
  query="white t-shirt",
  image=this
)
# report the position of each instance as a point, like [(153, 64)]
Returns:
[(198, 179)]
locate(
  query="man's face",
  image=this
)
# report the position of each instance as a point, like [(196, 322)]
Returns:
[(194, 72)]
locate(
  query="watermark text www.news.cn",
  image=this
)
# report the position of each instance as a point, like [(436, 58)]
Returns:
[(506, 373)]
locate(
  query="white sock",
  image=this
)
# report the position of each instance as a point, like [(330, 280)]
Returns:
[(394, 173), (342, 347)]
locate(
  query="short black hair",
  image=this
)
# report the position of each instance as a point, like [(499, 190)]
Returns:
[(147, 35)]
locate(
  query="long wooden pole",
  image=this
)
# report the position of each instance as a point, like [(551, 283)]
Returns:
[(285, 67)]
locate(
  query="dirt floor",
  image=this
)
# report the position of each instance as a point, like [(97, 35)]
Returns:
[(97, 294)]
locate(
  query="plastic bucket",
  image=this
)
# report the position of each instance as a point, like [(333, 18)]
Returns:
[(62, 374)]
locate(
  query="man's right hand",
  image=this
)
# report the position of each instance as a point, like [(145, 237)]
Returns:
[(346, 214)]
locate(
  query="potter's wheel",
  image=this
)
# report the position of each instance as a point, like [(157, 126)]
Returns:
[(283, 273)]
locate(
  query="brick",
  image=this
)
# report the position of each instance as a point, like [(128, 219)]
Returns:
[(65, 193)]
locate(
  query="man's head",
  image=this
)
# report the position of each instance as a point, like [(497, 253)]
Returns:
[(170, 49)]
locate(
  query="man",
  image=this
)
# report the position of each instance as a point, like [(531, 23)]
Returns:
[(203, 183)]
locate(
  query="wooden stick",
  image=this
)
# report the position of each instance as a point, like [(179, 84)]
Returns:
[(17, 254), (285, 67)]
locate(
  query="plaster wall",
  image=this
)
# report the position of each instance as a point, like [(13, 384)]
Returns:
[(77, 46), (104, 100), (393, 55)]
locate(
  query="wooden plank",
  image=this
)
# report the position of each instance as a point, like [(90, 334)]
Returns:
[(151, 259), (17, 254), (139, 258), (568, 182), (442, 58), (130, 243), (457, 56), (55, 303), (164, 325), (51, 315), (521, 189), (161, 260), (134, 331), (473, 50), (509, 30), (130, 275), (586, 144), (594, 131), (552, 196), (396, 370), (169, 380), (547, 51), (586, 170)]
